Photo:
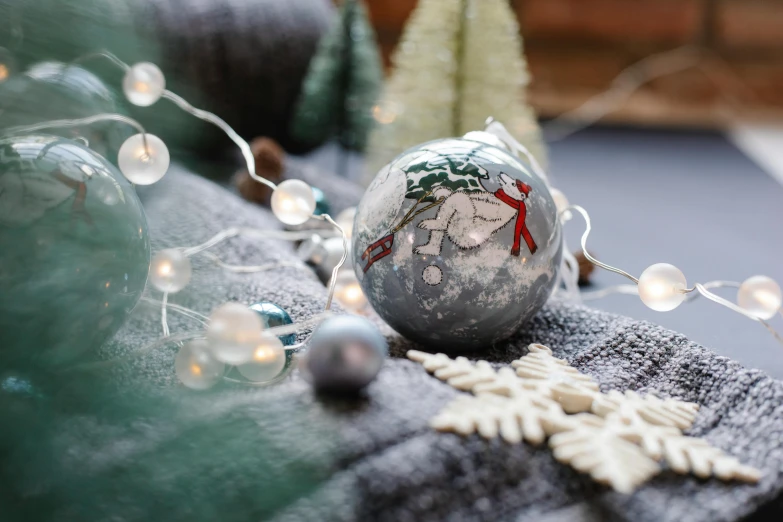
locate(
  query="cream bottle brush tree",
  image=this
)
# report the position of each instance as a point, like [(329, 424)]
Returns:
[(458, 61)]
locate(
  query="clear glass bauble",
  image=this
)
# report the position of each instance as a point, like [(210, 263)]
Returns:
[(53, 91), (456, 243)]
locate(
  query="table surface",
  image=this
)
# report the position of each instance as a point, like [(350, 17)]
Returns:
[(691, 199)]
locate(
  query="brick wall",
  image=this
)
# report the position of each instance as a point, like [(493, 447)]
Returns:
[(575, 48)]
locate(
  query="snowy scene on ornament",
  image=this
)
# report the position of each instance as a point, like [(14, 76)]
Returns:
[(457, 240)]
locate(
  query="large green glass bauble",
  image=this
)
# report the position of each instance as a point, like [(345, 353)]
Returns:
[(54, 91), (74, 251)]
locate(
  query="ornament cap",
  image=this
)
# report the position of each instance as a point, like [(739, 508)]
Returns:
[(488, 138)]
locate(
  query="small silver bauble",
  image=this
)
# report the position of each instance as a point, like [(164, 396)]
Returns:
[(345, 354), (456, 243)]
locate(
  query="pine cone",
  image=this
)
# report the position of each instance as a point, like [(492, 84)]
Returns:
[(269, 158), (586, 268)]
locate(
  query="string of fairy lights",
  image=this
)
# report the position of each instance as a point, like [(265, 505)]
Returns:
[(234, 335), (661, 287)]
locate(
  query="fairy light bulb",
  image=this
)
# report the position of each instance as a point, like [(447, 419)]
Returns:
[(348, 291), (267, 361), (760, 295), (345, 220), (143, 165), (170, 270), (6, 64), (195, 366), (661, 287), (144, 84), (234, 331), (385, 113), (293, 202)]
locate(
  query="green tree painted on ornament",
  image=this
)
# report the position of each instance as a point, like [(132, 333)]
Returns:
[(342, 83), (453, 171)]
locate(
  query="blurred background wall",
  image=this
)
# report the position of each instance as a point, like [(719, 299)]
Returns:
[(575, 48)]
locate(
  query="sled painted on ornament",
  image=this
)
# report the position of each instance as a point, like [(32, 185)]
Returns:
[(386, 242), (490, 212)]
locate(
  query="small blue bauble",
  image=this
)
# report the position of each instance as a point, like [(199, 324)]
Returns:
[(345, 354), (74, 251), (273, 315), (321, 203)]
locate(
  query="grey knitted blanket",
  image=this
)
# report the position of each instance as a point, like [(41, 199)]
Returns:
[(287, 454)]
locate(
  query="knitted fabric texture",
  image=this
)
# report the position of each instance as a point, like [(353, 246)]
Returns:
[(286, 454)]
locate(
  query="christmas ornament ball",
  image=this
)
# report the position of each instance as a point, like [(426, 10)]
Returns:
[(272, 315), (74, 251), (345, 354), (321, 202), (53, 91), (456, 243)]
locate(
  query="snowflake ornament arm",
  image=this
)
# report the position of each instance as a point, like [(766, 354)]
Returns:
[(459, 373), (489, 415), (592, 447), (656, 425), (659, 412), (539, 363), (691, 454), (573, 390)]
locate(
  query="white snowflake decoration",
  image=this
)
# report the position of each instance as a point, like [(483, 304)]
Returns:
[(617, 438)]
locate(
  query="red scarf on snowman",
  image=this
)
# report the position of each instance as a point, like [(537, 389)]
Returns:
[(520, 229)]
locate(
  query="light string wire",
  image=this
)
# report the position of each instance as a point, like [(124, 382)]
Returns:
[(244, 147), (182, 337), (583, 241), (633, 77), (77, 122), (498, 129), (215, 120), (701, 288), (622, 87), (569, 268), (227, 234), (634, 290), (215, 240)]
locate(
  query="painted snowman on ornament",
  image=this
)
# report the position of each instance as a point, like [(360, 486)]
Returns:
[(456, 242)]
